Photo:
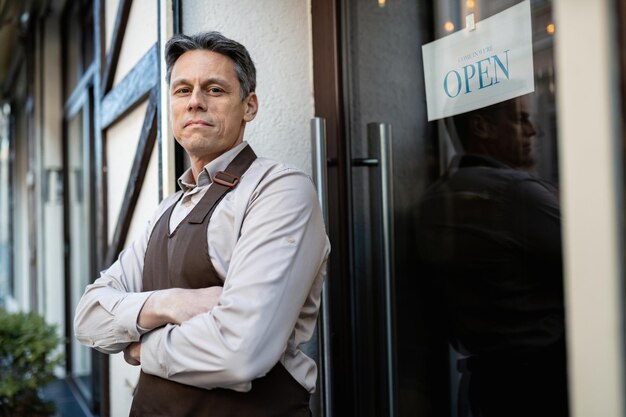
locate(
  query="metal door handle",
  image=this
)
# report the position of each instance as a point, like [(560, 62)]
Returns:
[(379, 137), (318, 136)]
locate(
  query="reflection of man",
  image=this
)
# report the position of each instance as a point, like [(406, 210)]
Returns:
[(247, 223), (502, 131), (490, 237)]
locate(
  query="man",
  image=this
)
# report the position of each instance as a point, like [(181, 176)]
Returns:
[(247, 223), (490, 238)]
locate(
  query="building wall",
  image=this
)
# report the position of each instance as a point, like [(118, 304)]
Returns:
[(278, 35)]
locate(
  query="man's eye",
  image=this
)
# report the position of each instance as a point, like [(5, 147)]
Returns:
[(215, 90), (183, 90)]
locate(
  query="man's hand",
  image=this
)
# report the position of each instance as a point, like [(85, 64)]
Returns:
[(132, 353), (177, 305)]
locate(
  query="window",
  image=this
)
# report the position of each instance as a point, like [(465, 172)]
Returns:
[(78, 164)]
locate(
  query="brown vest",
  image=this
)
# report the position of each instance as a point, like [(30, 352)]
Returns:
[(181, 260)]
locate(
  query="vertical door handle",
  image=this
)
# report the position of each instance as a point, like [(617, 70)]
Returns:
[(318, 136), (379, 137)]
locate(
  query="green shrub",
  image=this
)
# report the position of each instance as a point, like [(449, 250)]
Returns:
[(27, 361)]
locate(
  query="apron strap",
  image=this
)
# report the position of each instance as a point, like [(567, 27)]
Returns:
[(223, 182)]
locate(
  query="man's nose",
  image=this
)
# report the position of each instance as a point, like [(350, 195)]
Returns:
[(529, 129), (196, 100)]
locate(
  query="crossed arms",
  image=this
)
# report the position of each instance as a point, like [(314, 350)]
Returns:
[(274, 265)]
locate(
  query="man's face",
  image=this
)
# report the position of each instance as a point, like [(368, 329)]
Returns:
[(513, 134), (207, 114)]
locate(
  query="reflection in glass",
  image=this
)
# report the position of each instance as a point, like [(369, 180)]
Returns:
[(488, 237), (447, 237)]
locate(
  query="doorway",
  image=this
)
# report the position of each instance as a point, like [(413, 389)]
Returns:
[(390, 335)]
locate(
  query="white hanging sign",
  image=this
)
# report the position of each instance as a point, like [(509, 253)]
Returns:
[(470, 69)]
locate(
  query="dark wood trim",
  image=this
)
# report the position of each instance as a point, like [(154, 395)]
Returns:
[(16, 64), (99, 148), (102, 394), (81, 13), (158, 109), (67, 292), (177, 14), (113, 56), (328, 94), (76, 100), (88, 124), (621, 42), (67, 284), (132, 89), (135, 181), (621, 32)]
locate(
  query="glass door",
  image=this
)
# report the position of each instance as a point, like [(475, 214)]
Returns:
[(384, 93), (468, 317)]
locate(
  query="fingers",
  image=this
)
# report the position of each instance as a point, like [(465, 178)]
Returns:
[(132, 354)]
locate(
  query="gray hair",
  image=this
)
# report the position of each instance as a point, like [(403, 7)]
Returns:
[(214, 42)]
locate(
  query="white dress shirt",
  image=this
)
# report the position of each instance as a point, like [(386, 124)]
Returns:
[(268, 243)]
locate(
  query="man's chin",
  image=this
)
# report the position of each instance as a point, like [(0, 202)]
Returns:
[(527, 165)]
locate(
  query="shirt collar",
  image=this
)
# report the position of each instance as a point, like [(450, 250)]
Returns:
[(186, 181)]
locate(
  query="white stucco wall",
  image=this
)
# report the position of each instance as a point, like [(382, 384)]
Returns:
[(278, 35), (141, 33)]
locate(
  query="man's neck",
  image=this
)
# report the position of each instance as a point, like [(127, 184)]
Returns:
[(199, 163)]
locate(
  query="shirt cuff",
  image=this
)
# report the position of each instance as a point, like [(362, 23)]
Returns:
[(126, 319), (151, 362)]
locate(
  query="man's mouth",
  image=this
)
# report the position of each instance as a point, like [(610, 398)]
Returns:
[(197, 123)]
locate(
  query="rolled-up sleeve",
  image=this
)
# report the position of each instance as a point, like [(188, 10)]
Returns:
[(106, 315), (280, 254)]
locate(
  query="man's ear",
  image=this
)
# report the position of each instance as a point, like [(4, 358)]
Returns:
[(251, 104), (480, 127)]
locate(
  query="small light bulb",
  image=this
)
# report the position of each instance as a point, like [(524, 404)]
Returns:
[(381, 3), (448, 26), (550, 28), (470, 4)]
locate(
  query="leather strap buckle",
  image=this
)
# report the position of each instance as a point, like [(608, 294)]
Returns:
[(227, 179)]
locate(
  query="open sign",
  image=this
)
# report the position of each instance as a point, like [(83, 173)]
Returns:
[(468, 70)]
